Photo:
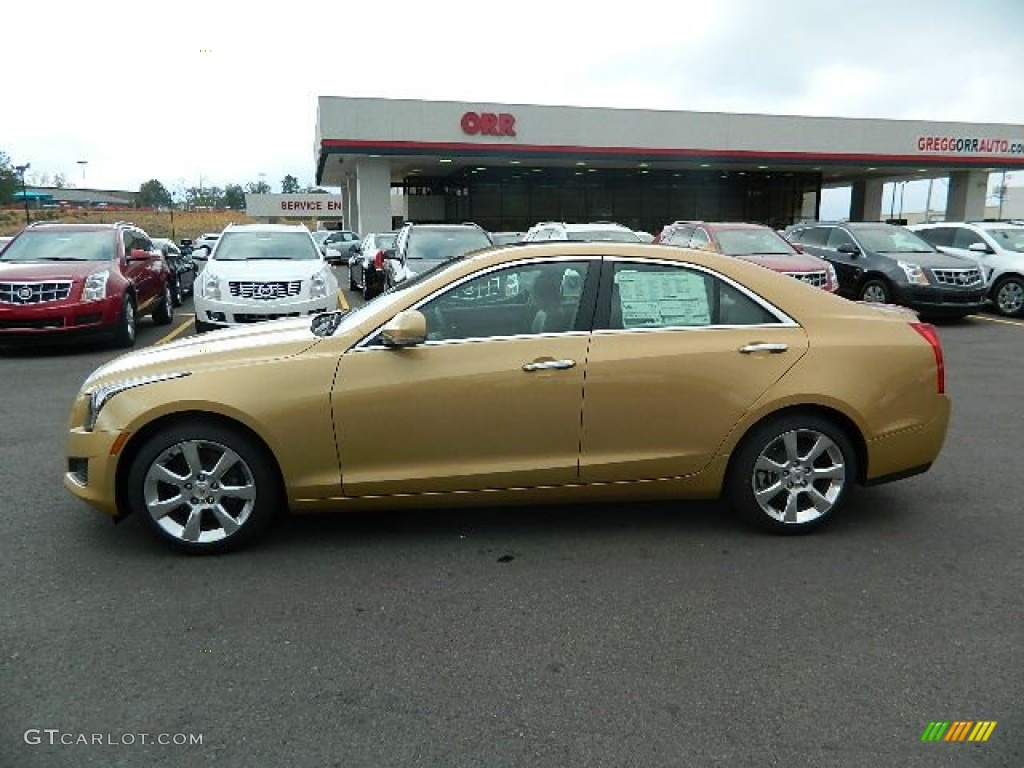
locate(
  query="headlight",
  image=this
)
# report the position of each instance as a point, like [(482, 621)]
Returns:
[(830, 274), (102, 394), (913, 272), (96, 286), (318, 290), (211, 287)]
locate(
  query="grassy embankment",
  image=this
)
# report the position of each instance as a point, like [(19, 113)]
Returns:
[(155, 223)]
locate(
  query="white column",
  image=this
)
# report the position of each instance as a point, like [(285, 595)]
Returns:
[(866, 200), (373, 195), (966, 198), (351, 203)]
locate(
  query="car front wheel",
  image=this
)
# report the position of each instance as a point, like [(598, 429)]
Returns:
[(876, 291), (1008, 296), (791, 474), (124, 335), (203, 488)]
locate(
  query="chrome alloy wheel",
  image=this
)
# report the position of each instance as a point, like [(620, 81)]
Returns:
[(129, 319), (799, 476), (1010, 297), (875, 292), (199, 491)]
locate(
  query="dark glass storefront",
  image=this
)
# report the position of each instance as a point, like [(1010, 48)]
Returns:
[(503, 199)]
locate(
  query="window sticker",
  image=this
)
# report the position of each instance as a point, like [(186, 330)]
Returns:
[(660, 299)]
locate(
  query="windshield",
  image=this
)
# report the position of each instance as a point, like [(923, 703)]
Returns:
[(603, 235), (1009, 239), (752, 242), (434, 244), (251, 246), (53, 245), (883, 239)]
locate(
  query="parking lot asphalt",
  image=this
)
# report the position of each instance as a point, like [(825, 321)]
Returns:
[(609, 635)]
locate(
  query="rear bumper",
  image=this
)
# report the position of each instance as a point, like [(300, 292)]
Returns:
[(909, 451)]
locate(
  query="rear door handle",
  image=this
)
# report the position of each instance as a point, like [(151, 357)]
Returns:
[(549, 365), (775, 348)]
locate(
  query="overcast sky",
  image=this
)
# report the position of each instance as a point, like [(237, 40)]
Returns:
[(225, 91)]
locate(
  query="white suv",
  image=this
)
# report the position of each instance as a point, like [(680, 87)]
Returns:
[(997, 247), (600, 230), (263, 272)]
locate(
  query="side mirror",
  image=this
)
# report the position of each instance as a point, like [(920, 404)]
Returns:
[(849, 248), (406, 329), (979, 248), (137, 254), (202, 253)]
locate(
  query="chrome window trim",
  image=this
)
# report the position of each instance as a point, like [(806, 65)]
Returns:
[(784, 320)]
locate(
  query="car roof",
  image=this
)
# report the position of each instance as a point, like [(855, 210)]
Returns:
[(266, 228)]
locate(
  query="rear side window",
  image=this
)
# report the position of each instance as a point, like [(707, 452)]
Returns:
[(814, 235), (838, 237), (937, 235), (667, 296), (965, 238)]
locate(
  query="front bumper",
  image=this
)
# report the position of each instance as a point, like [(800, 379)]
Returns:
[(940, 298), (91, 468), (240, 312), (58, 319)]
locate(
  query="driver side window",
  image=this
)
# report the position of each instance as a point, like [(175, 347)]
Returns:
[(838, 237), (525, 299)]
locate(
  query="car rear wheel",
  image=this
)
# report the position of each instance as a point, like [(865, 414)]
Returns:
[(1008, 296), (203, 488), (791, 474), (177, 293), (164, 313), (352, 284), (876, 291), (124, 336)]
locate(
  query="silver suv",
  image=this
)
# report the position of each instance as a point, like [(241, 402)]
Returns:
[(997, 247)]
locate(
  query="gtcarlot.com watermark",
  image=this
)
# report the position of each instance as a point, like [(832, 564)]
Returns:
[(55, 736)]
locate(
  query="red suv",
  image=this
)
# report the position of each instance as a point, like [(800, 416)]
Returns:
[(752, 242), (63, 280)]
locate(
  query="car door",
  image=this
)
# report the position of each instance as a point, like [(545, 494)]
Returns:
[(849, 265), (138, 271), (678, 356), (486, 402)]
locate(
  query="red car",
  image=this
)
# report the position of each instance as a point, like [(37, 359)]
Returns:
[(752, 242), (59, 281)]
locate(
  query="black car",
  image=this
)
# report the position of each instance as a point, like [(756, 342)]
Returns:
[(888, 264), (183, 269), (419, 247), (366, 264)]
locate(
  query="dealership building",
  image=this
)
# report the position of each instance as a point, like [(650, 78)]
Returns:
[(508, 166)]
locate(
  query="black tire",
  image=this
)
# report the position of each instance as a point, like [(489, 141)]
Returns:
[(202, 327), (1008, 296), (127, 324), (177, 293), (878, 290), (164, 312), (214, 519), (352, 284), (797, 478)]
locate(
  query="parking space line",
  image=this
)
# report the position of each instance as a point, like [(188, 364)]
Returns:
[(342, 301), (178, 331), (996, 320)]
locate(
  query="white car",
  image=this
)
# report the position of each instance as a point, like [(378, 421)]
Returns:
[(263, 272), (604, 231), (997, 247)]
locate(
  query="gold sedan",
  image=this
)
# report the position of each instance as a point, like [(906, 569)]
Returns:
[(543, 373)]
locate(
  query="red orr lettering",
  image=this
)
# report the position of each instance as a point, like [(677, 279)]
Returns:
[(489, 124)]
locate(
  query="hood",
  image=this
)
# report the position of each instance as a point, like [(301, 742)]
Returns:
[(236, 346), (932, 260), (50, 270), (265, 270), (791, 262)]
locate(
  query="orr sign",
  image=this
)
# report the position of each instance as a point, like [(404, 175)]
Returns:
[(295, 206), (488, 124)]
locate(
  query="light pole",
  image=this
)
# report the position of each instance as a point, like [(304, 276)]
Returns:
[(24, 194), (83, 163)]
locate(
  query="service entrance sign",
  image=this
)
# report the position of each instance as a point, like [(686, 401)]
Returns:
[(298, 206)]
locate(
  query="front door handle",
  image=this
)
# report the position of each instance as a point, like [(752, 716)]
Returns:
[(775, 348), (549, 365)]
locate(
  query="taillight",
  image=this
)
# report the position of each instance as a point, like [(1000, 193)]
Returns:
[(378, 260), (932, 337)]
